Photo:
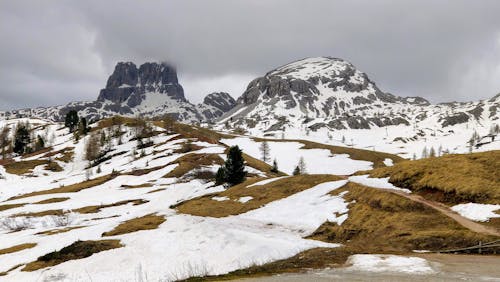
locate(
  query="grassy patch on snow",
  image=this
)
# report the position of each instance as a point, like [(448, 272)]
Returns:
[(451, 179), (147, 222), (17, 248), (97, 208), (52, 200), (77, 250), (10, 206), (377, 158), (59, 230), (70, 188), (261, 195), (23, 167), (192, 161), (382, 222)]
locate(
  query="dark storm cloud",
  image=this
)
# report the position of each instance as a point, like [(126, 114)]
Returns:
[(55, 52)]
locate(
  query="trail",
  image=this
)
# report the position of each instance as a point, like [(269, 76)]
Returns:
[(465, 222)]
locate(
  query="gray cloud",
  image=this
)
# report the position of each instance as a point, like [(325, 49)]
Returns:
[(62, 51)]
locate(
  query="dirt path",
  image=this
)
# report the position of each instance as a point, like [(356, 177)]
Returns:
[(467, 223)]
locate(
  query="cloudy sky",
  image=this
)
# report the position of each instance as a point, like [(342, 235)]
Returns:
[(53, 52)]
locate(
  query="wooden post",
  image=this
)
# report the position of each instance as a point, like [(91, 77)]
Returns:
[(479, 247)]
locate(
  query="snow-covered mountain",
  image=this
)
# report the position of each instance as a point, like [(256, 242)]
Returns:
[(150, 90), (329, 100)]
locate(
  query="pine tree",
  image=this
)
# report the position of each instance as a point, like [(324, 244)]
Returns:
[(296, 171), (71, 120), (432, 152), (4, 140), (264, 150), (22, 139), (424, 153), (40, 143), (302, 165), (220, 176), (275, 166), (235, 166), (82, 126)]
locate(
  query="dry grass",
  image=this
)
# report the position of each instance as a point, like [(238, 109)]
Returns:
[(10, 206), (262, 194), (97, 208), (317, 258), (70, 188), (260, 165), (144, 185), (23, 167), (67, 154), (377, 158), (40, 214), (382, 222), (451, 178), (191, 131), (17, 248), (59, 230), (77, 250), (53, 166), (193, 161), (51, 200), (41, 151), (147, 222), (10, 269)]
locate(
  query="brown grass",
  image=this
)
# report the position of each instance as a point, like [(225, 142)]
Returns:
[(17, 248), (59, 230), (70, 188), (147, 222), (10, 206), (262, 194), (41, 151), (9, 270), (23, 167), (382, 222), (450, 178), (97, 208), (51, 200), (40, 214), (377, 158), (77, 250), (317, 258), (144, 185), (193, 161)]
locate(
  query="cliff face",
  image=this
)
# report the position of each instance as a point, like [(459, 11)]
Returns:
[(128, 83)]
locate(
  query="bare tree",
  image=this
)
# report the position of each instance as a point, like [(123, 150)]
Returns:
[(4, 140), (264, 150), (92, 148)]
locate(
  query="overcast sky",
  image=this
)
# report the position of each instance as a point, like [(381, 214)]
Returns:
[(53, 52)]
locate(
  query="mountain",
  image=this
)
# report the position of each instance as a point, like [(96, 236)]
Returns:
[(329, 99), (152, 89)]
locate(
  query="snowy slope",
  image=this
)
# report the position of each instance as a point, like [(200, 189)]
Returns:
[(329, 101)]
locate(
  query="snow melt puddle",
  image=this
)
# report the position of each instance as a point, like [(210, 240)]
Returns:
[(382, 183), (389, 263), (477, 212)]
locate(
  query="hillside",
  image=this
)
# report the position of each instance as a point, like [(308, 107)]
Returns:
[(328, 100), (150, 197)]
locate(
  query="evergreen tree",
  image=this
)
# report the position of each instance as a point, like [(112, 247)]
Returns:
[(220, 176), (71, 120), (82, 126), (302, 165), (424, 153), (275, 166), (22, 139), (432, 152), (4, 140), (235, 166), (40, 143), (264, 150), (296, 171)]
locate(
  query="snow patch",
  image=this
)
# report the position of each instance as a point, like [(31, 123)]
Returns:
[(477, 212), (389, 263)]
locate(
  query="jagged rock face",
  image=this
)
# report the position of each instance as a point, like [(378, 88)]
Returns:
[(129, 83), (150, 90), (215, 105), (220, 100), (330, 93)]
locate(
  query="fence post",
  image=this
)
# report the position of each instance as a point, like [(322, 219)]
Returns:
[(479, 247)]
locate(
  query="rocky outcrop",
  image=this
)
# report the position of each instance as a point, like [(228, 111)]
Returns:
[(128, 83), (215, 105)]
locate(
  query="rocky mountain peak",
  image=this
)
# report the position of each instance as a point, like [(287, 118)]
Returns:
[(220, 100), (128, 83)]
